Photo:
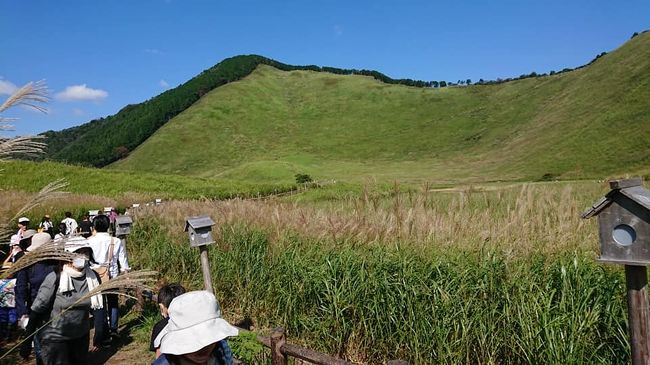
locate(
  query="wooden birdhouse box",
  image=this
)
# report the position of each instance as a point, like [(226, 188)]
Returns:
[(123, 225), (624, 223), (200, 230)]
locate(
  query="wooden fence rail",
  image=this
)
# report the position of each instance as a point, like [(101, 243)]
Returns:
[(281, 350)]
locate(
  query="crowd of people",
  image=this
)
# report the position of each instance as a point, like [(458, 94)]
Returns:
[(50, 300)]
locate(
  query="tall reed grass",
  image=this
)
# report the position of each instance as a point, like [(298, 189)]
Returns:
[(540, 218), (504, 277)]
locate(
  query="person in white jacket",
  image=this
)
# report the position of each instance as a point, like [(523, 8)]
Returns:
[(71, 223), (109, 252)]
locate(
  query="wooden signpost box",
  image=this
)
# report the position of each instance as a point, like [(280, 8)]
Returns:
[(199, 230), (624, 229)]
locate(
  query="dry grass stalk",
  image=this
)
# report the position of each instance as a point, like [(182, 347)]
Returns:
[(13, 200), (31, 95), (21, 146), (128, 281), (532, 218), (46, 252), (50, 191), (119, 285)]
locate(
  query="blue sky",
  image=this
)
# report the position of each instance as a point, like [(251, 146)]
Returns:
[(98, 56)]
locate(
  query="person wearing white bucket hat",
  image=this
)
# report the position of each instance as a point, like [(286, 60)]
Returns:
[(195, 333), (23, 225), (14, 250)]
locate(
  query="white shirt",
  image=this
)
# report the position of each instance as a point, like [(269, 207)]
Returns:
[(100, 243), (46, 225), (72, 226)]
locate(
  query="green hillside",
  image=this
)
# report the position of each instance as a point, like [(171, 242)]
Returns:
[(33, 176), (102, 141), (589, 123)]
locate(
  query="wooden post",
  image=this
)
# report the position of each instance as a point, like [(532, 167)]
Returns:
[(205, 267), (636, 278), (278, 339), (139, 305)]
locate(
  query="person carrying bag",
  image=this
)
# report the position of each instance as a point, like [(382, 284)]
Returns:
[(111, 250)]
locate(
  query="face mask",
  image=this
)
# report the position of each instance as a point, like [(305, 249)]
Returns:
[(79, 263)]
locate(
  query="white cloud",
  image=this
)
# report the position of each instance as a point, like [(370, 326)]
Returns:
[(152, 51), (7, 87), (338, 30), (81, 93), (163, 84), (78, 112)]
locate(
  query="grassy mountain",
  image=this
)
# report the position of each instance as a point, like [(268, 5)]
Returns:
[(105, 140), (588, 123)]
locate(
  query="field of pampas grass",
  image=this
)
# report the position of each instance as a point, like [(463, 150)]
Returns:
[(474, 275), (505, 275), (516, 220)]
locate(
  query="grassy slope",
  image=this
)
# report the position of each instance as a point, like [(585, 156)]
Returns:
[(592, 122), (32, 176)]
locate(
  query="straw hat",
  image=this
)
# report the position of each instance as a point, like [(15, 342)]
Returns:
[(194, 322), (73, 244), (28, 234), (38, 240)]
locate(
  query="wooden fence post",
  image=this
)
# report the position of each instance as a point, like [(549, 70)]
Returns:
[(278, 339), (205, 268), (638, 313)]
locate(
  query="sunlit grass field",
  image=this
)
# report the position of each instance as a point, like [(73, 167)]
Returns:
[(495, 273), (498, 275), (128, 186)]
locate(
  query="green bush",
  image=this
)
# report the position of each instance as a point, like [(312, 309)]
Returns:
[(303, 179)]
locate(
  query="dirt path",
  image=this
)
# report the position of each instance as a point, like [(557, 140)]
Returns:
[(124, 350)]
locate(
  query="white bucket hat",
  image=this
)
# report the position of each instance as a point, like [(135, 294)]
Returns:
[(194, 322), (38, 240)]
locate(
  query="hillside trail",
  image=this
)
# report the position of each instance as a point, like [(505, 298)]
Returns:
[(125, 350)]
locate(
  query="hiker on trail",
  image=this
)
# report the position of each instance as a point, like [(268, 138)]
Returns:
[(195, 333), (46, 226), (85, 226), (112, 216), (8, 317), (165, 296), (100, 338), (63, 230), (23, 225), (63, 301), (71, 223), (111, 256), (14, 252), (29, 279)]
